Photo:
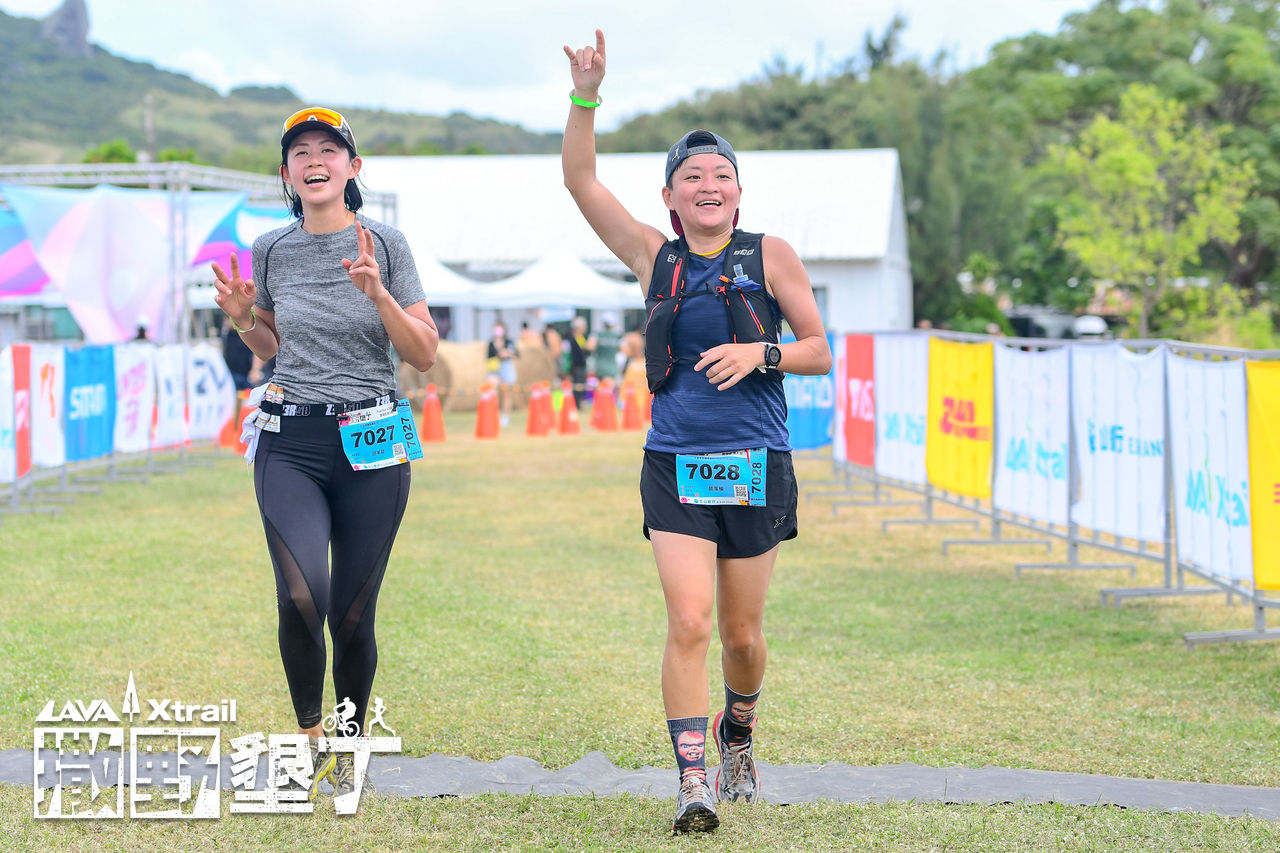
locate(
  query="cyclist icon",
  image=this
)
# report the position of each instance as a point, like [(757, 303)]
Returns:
[(340, 722)]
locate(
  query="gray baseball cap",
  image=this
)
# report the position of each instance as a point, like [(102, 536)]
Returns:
[(698, 142)]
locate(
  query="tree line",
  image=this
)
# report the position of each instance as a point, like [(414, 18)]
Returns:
[(1136, 146)]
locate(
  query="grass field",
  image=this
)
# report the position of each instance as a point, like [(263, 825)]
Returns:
[(521, 615)]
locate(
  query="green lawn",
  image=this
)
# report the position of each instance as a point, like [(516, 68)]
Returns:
[(521, 615)]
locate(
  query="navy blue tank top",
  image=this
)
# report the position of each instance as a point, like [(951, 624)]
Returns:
[(689, 414)]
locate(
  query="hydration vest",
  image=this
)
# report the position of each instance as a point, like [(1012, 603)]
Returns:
[(740, 289)]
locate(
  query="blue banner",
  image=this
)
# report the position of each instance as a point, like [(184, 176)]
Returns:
[(90, 402), (811, 405)]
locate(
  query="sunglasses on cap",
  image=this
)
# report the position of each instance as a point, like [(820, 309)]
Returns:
[(317, 118)]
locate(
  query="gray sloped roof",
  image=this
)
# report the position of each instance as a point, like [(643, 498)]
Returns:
[(830, 205)]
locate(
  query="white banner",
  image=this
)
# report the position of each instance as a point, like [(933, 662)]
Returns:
[(8, 437), (1032, 432), (902, 405), (838, 451), (135, 396), (171, 422), (1118, 407), (211, 393), (1209, 431), (48, 378)]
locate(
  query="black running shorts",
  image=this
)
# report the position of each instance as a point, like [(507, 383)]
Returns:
[(738, 531)]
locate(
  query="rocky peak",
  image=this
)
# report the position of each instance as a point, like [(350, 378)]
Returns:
[(68, 27)]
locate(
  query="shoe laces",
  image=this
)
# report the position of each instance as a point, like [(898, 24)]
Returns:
[(344, 772), (742, 765), (694, 787)]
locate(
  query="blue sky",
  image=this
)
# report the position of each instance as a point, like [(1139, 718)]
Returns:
[(503, 58)]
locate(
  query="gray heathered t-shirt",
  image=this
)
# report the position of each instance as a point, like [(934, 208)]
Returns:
[(333, 346)]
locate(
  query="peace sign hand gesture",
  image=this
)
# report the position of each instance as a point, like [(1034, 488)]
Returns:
[(364, 271), (235, 295), (587, 67)]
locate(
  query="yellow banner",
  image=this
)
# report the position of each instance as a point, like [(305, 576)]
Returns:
[(1264, 470), (958, 446)]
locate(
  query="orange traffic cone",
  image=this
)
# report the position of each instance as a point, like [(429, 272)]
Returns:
[(432, 417), (230, 435), (569, 411), (539, 420), (631, 409), (487, 413), (604, 409)]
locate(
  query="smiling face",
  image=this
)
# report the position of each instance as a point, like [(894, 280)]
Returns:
[(704, 192), (317, 166), (691, 745)]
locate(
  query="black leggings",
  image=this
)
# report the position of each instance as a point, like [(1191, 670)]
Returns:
[(312, 500)]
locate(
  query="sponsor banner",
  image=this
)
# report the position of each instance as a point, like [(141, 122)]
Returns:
[(811, 406), (1118, 404), (211, 393), (839, 450), (1032, 425), (22, 408), (901, 376), (8, 438), (958, 443), (48, 379), (135, 397), (1264, 470), (1208, 434), (856, 401), (90, 402), (171, 422)]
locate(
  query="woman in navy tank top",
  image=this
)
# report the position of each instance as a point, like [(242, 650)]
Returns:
[(717, 486)]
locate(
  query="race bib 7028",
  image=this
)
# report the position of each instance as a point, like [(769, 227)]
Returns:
[(733, 478)]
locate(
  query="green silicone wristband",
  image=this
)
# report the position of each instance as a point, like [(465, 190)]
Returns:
[(583, 102)]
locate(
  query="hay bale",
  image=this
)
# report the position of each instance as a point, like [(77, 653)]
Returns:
[(459, 372)]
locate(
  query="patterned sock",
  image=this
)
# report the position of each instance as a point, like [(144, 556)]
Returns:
[(739, 714), (689, 740)]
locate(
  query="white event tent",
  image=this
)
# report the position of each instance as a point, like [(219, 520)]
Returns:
[(843, 211)]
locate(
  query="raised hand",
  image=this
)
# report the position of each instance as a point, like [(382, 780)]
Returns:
[(235, 295), (364, 269), (587, 67)]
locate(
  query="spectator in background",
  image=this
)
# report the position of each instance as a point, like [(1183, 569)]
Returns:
[(500, 367), (608, 341), (144, 326), (528, 337), (239, 358), (580, 348), (555, 347)]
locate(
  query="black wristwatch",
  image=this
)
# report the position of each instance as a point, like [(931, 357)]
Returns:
[(772, 356)]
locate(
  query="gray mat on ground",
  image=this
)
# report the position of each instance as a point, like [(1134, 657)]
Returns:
[(441, 775)]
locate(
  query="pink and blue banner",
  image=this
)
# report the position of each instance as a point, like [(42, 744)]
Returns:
[(109, 251), (20, 273), (89, 402)]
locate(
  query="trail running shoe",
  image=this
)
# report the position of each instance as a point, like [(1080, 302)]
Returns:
[(322, 765), (695, 810), (344, 777), (737, 777)]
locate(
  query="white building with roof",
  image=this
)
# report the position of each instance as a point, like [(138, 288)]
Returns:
[(843, 212)]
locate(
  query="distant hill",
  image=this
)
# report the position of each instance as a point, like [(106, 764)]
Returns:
[(60, 97)]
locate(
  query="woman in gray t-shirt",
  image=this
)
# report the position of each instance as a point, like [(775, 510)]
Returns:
[(330, 294)]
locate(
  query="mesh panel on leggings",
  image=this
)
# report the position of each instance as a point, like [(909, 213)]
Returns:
[(299, 591)]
